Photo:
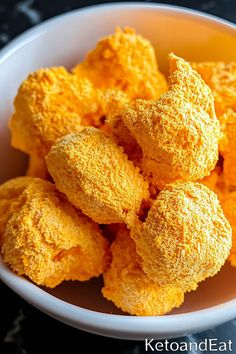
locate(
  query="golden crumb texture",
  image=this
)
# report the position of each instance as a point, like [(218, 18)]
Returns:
[(49, 241), (130, 288)]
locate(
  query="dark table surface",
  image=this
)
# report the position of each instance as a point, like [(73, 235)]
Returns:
[(23, 329)]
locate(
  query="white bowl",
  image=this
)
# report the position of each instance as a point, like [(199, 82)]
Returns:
[(64, 41)]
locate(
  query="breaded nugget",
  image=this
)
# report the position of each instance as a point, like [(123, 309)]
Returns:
[(211, 180), (178, 133), (37, 167), (216, 182), (126, 61), (49, 241), (10, 193), (115, 101), (128, 286), (50, 104), (227, 148), (228, 203), (97, 177), (185, 238), (221, 78)]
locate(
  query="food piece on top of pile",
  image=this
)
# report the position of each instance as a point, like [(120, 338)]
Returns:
[(227, 148), (50, 104), (126, 61), (221, 78), (129, 287), (10, 193), (185, 237), (178, 133), (97, 177), (49, 241), (228, 203)]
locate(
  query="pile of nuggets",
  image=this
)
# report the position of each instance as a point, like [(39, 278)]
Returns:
[(129, 176)]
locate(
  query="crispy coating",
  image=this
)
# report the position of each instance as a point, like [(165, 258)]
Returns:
[(10, 193), (50, 104), (126, 61), (227, 148), (128, 286), (115, 101), (49, 241), (216, 182), (221, 78), (228, 203), (211, 180), (37, 167), (178, 133), (97, 177), (185, 238)]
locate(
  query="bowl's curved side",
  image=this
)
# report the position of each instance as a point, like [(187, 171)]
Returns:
[(117, 326)]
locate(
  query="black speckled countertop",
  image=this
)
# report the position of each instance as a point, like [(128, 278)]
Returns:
[(23, 329)]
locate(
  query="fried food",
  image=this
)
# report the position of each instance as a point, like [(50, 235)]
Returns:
[(126, 61), (10, 193), (50, 104), (128, 286), (49, 241), (216, 182), (97, 177), (37, 167), (185, 238), (227, 148), (229, 206), (221, 78), (178, 133), (116, 100)]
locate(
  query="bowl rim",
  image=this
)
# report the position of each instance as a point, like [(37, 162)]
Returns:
[(89, 320), (37, 30)]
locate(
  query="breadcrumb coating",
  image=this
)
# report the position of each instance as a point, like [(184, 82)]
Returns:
[(37, 167), (128, 286), (97, 177), (221, 78), (211, 180), (228, 203), (126, 61), (49, 241), (185, 238), (216, 182), (178, 133), (10, 193), (116, 100), (227, 148), (50, 104)]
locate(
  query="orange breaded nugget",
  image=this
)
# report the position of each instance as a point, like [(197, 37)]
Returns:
[(116, 100), (50, 104), (97, 177), (227, 148), (128, 286), (126, 61), (211, 180), (37, 167), (221, 78), (228, 203), (216, 182), (178, 133), (185, 238), (10, 193), (49, 241)]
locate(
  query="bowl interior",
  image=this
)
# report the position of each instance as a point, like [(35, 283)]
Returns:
[(65, 41)]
